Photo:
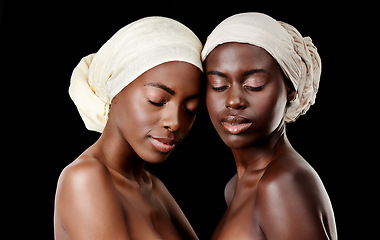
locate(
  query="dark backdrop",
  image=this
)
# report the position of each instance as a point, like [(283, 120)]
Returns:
[(42, 42)]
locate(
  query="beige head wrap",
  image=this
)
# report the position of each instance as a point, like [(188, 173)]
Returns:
[(296, 55), (133, 50)]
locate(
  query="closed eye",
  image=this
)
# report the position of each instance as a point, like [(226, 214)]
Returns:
[(190, 112), (156, 103), (219, 89), (255, 89)]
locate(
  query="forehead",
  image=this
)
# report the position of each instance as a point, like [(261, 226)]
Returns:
[(235, 56), (177, 75)]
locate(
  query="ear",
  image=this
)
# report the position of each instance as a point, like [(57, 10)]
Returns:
[(291, 94)]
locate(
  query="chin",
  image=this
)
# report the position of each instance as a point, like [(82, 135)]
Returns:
[(242, 140), (156, 161), (154, 156), (236, 141)]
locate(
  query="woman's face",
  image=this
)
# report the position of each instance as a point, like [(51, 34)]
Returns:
[(246, 93), (156, 111)]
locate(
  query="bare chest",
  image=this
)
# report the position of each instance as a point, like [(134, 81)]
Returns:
[(239, 220), (147, 217)]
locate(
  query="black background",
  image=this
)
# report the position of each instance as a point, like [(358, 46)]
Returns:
[(42, 42)]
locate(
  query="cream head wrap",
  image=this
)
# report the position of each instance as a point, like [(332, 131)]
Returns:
[(296, 55), (133, 50)]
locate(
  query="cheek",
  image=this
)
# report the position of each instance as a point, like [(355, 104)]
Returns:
[(142, 113), (134, 120), (214, 105), (134, 123), (269, 107)]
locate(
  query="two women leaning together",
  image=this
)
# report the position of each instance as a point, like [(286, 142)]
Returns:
[(141, 91)]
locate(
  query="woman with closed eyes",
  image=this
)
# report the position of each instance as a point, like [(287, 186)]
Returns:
[(141, 90), (262, 74)]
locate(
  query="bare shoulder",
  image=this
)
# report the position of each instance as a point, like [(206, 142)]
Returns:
[(82, 172), (83, 166), (290, 172), (290, 197), (80, 182), (87, 203)]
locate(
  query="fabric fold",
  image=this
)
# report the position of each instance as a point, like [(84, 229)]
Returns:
[(296, 55), (133, 50)]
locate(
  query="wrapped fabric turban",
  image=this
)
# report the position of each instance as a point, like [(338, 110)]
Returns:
[(296, 55), (133, 50)]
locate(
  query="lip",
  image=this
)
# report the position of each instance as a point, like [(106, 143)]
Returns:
[(163, 145), (235, 124)]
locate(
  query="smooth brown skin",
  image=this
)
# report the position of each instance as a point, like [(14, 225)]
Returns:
[(106, 193), (276, 194)]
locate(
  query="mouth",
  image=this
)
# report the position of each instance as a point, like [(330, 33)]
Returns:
[(163, 145), (235, 124)]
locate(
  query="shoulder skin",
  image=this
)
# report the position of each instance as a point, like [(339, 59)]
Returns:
[(292, 202), (87, 206)]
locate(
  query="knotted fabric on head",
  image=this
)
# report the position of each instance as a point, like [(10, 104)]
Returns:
[(296, 55), (133, 50)]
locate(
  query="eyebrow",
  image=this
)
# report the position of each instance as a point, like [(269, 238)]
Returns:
[(217, 73), (245, 74), (162, 86), (253, 71)]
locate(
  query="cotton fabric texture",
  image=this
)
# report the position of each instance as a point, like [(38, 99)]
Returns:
[(296, 55), (133, 50)]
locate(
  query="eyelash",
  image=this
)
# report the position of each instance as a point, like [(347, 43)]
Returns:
[(255, 89), (191, 113), (249, 88), (156, 103), (219, 89)]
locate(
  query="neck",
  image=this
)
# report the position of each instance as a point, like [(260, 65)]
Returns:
[(118, 155), (259, 155)]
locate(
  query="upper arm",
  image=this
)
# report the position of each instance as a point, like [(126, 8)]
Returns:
[(229, 190), (289, 207), (87, 203)]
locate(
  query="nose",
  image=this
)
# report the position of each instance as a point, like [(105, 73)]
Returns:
[(235, 99), (171, 121)]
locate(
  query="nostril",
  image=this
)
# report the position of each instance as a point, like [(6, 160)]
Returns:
[(241, 107), (172, 128), (238, 107)]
